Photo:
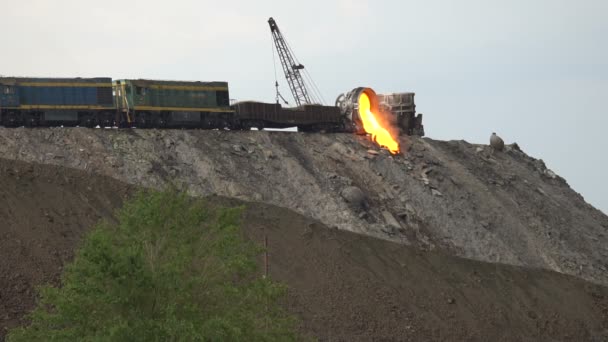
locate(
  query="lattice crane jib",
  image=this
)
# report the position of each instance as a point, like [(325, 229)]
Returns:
[(290, 67)]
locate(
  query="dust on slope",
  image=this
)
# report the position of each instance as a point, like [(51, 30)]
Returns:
[(344, 286)]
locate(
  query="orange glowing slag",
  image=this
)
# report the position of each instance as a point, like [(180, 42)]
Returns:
[(370, 124)]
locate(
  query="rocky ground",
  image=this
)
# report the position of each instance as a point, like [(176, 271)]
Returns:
[(343, 286), (457, 197)]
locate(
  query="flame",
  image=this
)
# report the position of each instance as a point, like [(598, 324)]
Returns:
[(370, 124)]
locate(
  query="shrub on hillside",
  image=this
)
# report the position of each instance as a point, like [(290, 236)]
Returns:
[(171, 268)]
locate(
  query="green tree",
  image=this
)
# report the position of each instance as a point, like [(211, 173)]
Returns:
[(171, 269)]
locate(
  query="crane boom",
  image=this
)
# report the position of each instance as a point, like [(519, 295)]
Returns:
[(290, 68)]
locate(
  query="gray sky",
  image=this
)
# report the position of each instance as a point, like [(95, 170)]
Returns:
[(536, 72)]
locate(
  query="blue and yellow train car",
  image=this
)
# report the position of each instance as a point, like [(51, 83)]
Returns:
[(153, 103), (56, 101)]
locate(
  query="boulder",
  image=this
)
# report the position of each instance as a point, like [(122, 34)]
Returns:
[(496, 142), (354, 196)]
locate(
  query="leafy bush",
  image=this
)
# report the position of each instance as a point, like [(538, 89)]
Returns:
[(171, 269)]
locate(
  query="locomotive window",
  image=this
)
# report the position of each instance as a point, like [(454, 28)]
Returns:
[(8, 90), (128, 90)]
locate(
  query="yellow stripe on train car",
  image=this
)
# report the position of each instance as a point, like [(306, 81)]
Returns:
[(60, 107), (183, 109), (64, 84), (185, 87)]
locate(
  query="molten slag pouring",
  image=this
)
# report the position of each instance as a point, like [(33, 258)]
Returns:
[(371, 125)]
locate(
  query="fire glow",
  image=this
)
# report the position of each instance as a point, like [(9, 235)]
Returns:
[(371, 125)]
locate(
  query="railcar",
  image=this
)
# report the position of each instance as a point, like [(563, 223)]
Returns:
[(35, 102), (272, 115), (152, 103)]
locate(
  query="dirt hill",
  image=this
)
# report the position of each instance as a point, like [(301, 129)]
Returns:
[(344, 286), (44, 212), (452, 196)]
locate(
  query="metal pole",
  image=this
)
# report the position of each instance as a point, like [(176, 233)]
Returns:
[(265, 256)]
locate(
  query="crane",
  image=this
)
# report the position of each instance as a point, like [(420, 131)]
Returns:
[(291, 68)]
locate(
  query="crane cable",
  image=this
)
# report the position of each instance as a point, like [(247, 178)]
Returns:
[(274, 61), (274, 65), (316, 93), (305, 76), (315, 88)]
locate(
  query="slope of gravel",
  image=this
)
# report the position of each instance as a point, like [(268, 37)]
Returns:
[(44, 212), (343, 286), (500, 207)]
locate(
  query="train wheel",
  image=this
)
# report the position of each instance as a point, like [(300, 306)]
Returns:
[(246, 125), (88, 121), (31, 120), (304, 129), (11, 119), (141, 121), (224, 125), (160, 122), (105, 120)]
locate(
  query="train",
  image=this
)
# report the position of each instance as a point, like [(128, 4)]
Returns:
[(141, 103)]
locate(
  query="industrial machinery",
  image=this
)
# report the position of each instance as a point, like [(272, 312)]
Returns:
[(140, 103), (348, 103), (292, 68), (402, 106), (397, 108)]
